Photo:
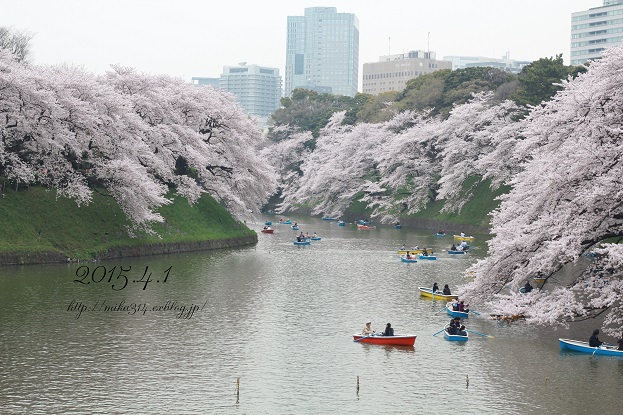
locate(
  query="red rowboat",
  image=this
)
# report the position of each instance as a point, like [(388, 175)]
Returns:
[(400, 340), (268, 230)]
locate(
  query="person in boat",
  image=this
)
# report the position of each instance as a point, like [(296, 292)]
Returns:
[(452, 330), (462, 234), (409, 256), (453, 247), (435, 288), (463, 307), (403, 247), (527, 288), (424, 252), (298, 239), (441, 232), (265, 227), (415, 247), (462, 331), (594, 340), (367, 330), (389, 331), (302, 236), (446, 290), (455, 306), (315, 235), (620, 342), (307, 234), (463, 245)]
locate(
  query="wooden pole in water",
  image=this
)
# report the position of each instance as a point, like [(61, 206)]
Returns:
[(238, 389), (467, 381), (357, 385)]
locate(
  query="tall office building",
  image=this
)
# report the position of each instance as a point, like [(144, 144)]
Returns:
[(257, 88), (594, 30), (392, 72), (322, 52)]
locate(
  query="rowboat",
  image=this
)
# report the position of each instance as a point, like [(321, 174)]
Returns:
[(397, 226), (398, 340), (328, 218), (403, 259), (412, 252), (268, 230), (539, 280), (302, 243), (341, 223), (455, 337), (451, 252), (429, 257), (315, 238), (463, 238), (366, 227), (583, 347), (295, 228), (428, 292), (440, 235), (286, 222), (454, 313), (268, 223)]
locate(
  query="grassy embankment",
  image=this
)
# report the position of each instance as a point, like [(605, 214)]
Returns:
[(33, 221), (474, 213)]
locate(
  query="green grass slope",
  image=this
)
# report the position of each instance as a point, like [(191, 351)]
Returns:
[(34, 221)]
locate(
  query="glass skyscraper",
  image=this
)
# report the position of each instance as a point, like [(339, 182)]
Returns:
[(322, 52), (594, 30)]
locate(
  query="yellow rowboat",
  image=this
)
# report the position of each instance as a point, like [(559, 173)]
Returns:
[(428, 292), (539, 280), (463, 238)]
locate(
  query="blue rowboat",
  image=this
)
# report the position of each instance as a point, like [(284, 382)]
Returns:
[(286, 222), (295, 228), (454, 313), (341, 223), (315, 239), (397, 226), (268, 223), (429, 257), (583, 347), (440, 235), (455, 337), (403, 259), (302, 243), (451, 252), (329, 218)]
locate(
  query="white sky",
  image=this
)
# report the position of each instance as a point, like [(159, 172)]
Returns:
[(186, 38)]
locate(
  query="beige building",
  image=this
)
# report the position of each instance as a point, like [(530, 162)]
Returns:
[(392, 72)]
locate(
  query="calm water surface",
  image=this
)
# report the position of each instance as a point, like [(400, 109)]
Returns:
[(280, 318)]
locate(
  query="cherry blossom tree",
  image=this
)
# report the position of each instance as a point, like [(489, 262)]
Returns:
[(130, 134), (566, 202)]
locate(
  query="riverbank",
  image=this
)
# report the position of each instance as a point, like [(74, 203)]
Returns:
[(39, 228)]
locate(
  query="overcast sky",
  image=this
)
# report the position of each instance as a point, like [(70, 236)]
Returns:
[(186, 38)]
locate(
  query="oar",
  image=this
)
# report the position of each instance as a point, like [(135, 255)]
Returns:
[(439, 331), (441, 310), (475, 312), (596, 348), (480, 334), (365, 337)]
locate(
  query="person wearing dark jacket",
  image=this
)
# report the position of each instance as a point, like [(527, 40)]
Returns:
[(446, 290), (594, 340), (389, 331)]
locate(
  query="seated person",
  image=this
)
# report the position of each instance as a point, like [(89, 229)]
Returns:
[(315, 235), (435, 288), (446, 290), (527, 287), (367, 330), (456, 306), (453, 247), (452, 330), (462, 331), (620, 342), (389, 331), (409, 256), (424, 252), (594, 340)]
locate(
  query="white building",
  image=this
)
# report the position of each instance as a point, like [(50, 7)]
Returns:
[(505, 63), (392, 72), (596, 29)]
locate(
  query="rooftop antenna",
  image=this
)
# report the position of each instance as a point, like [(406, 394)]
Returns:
[(428, 47)]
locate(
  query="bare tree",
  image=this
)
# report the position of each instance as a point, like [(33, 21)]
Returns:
[(17, 42)]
